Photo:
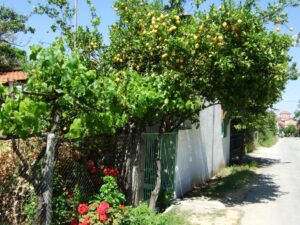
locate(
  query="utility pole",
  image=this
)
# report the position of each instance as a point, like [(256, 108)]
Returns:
[(75, 20)]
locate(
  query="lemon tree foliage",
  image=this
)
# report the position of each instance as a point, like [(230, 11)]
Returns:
[(224, 55), (247, 65), (153, 42)]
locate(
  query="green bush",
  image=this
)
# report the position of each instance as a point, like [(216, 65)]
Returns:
[(267, 139), (290, 131), (110, 193), (142, 215)]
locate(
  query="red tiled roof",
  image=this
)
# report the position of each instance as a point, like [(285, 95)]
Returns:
[(15, 75), (285, 112)]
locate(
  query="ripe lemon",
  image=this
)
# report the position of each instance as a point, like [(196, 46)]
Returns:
[(164, 56)]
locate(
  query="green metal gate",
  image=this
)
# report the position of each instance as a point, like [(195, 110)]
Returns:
[(167, 153)]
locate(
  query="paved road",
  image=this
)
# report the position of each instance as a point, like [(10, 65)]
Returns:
[(274, 196)]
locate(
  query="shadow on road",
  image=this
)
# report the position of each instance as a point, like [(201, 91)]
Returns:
[(242, 185), (261, 188), (262, 162)]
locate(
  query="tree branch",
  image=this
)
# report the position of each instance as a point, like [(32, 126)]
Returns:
[(38, 159), (46, 95), (19, 154)]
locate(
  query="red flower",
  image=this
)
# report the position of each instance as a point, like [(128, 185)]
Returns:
[(102, 167), (90, 164), (102, 208), (110, 172), (74, 222), (115, 172), (93, 170), (106, 171), (83, 209), (103, 218)]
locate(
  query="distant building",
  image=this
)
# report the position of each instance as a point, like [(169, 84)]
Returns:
[(285, 120)]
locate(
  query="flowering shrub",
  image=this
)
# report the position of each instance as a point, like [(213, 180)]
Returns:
[(107, 206), (100, 213)]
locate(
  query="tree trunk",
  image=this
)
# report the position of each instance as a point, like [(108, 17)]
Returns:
[(156, 190), (40, 210), (44, 195), (138, 172), (127, 167)]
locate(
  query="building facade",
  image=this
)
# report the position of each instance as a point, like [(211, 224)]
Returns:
[(284, 120)]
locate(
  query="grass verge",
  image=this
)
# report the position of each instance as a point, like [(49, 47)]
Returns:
[(268, 142), (230, 179), (173, 217)]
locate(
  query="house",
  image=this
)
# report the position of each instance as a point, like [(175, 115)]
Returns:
[(284, 120), (11, 76)]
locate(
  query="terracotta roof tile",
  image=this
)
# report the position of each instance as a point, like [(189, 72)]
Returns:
[(8, 76), (285, 112)]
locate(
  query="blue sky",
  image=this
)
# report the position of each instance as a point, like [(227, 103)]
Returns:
[(290, 96)]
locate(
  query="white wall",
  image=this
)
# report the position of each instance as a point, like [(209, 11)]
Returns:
[(202, 152)]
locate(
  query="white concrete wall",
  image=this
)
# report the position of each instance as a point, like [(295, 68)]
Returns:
[(202, 152)]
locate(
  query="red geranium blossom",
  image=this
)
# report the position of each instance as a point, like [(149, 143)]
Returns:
[(114, 172), (102, 208), (106, 171), (103, 218), (74, 222), (110, 172), (90, 164), (83, 209)]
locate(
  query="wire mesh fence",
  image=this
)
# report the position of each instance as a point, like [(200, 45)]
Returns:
[(22, 188)]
